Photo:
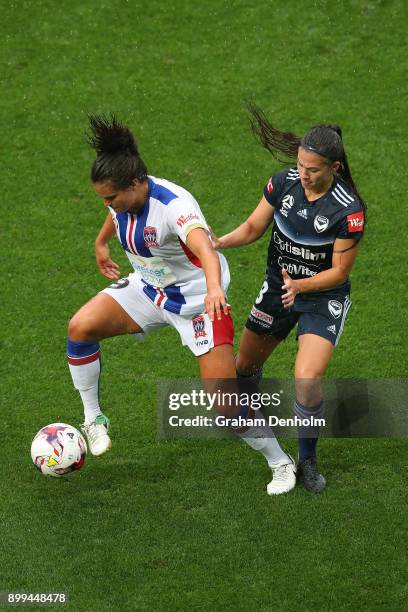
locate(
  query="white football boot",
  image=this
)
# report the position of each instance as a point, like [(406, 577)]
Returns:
[(284, 477), (97, 435)]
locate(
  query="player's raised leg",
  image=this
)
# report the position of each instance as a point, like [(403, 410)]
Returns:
[(101, 317), (312, 359)]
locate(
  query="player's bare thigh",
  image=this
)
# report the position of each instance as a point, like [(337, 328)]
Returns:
[(313, 356), (101, 317), (254, 350)]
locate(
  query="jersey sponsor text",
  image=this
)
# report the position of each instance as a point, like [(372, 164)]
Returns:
[(261, 316), (288, 247), (295, 269), (182, 220)]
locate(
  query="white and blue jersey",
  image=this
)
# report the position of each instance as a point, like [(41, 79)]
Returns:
[(154, 240)]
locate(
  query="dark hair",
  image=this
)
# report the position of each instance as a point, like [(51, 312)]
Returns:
[(117, 155), (325, 140)]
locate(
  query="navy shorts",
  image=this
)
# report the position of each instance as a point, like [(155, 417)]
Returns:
[(322, 314)]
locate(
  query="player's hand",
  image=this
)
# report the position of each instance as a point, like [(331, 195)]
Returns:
[(214, 240), (215, 304), (290, 287), (106, 266)]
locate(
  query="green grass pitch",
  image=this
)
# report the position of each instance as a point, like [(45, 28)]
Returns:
[(186, 525)]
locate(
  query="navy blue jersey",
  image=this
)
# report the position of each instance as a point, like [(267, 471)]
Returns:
[(304, 232)]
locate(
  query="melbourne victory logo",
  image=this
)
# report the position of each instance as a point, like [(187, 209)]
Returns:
[(150, 237), (321, 223)]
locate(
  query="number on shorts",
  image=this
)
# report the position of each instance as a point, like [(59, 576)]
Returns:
[(120, 284), (263, 290)]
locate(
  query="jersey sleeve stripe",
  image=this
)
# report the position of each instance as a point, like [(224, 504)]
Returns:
[(344, 193), (340, 199), (292, 175)]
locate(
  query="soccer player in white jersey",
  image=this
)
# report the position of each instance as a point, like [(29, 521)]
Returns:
[(317, 219), (178, 279)]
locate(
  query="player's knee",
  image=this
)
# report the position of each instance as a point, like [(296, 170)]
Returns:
[(308, 371), (245, 366), (81, 329), (308, 387)]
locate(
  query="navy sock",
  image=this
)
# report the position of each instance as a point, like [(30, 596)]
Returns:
[(308, 434), (307, 448), (82, 352)]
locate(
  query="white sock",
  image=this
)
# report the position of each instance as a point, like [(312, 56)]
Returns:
[(90, 400), (85, 367), (262, 439)]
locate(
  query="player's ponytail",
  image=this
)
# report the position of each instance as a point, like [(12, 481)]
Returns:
[(275, 141), (118, 159)]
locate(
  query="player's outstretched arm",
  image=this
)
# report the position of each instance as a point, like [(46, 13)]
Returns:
[(199, 243), (106, 266), (252, 229)]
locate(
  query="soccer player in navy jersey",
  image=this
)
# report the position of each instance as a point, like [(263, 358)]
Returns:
[(318, 219), (178, 279)]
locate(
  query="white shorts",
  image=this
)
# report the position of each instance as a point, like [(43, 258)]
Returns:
[(196, 331)]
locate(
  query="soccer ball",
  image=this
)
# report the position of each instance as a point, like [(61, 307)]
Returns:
[(58, 449)]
